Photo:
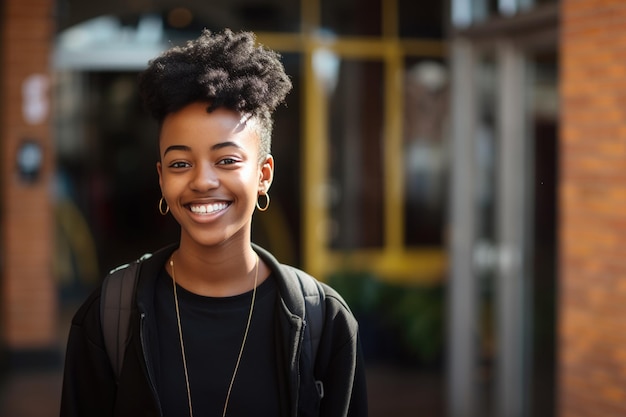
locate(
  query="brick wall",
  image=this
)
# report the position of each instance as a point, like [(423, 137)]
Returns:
[(593, 209), (28, 307)]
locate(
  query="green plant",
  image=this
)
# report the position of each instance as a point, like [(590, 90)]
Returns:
[(398, 321)]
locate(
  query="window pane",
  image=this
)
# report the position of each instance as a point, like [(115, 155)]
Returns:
[(421, 19), (356, 169), (352, 17), (258, 16), (469, 12), (426, 162), (269, 16), (542, 128)]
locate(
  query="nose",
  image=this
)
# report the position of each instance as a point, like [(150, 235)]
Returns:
[(204, 178)]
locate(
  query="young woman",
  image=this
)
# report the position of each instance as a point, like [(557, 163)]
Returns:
[(217, 327)]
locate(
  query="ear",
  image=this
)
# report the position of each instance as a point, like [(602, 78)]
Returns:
[(266, 174), (159, 168)]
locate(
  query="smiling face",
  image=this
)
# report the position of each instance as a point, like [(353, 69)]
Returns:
[(211, 173)]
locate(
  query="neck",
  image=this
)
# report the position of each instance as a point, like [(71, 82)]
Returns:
[(220, 271)]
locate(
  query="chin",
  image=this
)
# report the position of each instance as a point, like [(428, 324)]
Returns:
[(211, 240)]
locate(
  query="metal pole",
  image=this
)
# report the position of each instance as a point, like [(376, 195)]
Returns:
[(462, 331)]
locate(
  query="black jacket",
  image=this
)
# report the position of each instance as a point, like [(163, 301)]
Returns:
[(90, 390)]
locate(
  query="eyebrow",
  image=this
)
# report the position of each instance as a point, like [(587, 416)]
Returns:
[(226, 144), (177, 148), (215, 147)]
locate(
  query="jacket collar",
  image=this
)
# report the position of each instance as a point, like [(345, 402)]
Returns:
[(290, 324), (289, 291)]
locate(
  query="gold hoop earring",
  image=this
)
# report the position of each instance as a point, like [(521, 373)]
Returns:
[(267, 202), (167, 207)]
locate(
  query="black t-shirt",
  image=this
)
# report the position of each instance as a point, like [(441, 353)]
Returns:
[(213, 330)]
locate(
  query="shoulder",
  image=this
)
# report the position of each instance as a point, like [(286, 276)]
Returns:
[(89, 308), (335, 307), (86, 323), (89, 311), (294, 283), (338, 311), (146, 268), (326, 290)]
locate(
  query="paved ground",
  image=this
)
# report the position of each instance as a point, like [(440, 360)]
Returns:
[(30, 394), (392, 391), (401, 392)]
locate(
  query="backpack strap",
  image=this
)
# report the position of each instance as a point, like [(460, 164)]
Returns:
[(314, 301), (116, 302)]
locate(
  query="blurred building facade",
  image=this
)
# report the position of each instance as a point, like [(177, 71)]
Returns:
[(504, 209), (467, 152), (536, 218), (29, 306)]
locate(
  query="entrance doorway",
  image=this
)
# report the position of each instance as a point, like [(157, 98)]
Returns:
[(503, 218)]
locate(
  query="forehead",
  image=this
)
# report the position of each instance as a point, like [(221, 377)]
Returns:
[(193, 123)]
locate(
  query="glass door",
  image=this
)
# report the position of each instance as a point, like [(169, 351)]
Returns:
[(503, 225)]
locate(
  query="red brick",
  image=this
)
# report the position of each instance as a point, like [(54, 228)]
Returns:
[(28, 305), (592, 334)]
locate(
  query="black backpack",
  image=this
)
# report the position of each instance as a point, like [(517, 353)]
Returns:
[(118, 293)]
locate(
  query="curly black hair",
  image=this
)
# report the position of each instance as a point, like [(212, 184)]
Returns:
[(223, 69)]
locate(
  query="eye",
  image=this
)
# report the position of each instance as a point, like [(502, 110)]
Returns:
[(227, 161), (179, 164)]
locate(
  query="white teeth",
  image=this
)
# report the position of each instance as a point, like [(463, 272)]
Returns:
[(207, 208)]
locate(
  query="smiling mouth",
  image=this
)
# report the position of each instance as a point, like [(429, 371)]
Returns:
[(207, 208)]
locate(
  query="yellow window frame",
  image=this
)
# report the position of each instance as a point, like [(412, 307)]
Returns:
[(393, 261)]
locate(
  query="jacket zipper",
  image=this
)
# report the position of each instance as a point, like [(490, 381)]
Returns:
[(148, 366)]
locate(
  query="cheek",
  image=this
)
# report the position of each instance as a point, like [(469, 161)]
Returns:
[(170, 185)]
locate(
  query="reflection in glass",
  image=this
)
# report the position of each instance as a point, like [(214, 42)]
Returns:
[(421, 19), (426, 159), (352, 17), (356, 151), (468, 12)]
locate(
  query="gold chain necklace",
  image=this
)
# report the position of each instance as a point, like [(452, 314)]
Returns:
[(182, 344)]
